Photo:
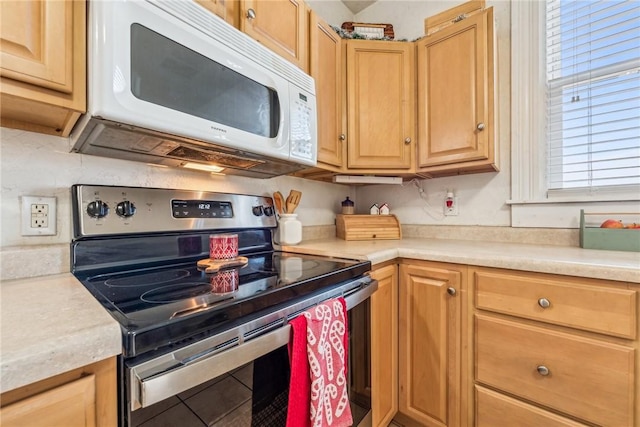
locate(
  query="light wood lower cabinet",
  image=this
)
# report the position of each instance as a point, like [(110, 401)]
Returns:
[(496, 409), (384, 346), (84, 397), (431, 343), (555, 350)]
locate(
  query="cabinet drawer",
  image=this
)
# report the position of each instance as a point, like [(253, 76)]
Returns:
[(568, 302), (586, 378), (495, 409)]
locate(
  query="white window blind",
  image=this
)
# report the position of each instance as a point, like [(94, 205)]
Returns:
[(593, 94)]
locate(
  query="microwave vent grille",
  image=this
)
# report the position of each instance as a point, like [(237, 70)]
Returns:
[(215, 27), (215, 157)]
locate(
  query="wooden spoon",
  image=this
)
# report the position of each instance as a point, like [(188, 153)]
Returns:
[(278, 199), (293, 200)]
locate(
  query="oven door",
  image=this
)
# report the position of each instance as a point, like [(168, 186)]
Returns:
[(235, 383)]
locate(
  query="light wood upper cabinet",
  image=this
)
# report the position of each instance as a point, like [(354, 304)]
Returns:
[(84, 397), (43, 69), (225, 9), (326, 50), (455, 74), (380, 99), (431, 301), (384, 346), (280, 25)]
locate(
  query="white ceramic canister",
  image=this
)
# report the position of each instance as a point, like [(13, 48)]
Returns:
[(289, 229)]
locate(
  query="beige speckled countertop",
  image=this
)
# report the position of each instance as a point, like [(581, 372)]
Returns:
[(52, 324), (572, 261)]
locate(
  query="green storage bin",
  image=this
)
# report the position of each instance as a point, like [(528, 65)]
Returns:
[(611, 239)]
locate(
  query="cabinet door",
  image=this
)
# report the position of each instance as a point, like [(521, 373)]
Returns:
[(86, 396), (384, 346), (43, 64), (380, 99), (225, 9), (430, 344), (71, 405), (280, 25), (455, 96), (326, 50), (37, 43)]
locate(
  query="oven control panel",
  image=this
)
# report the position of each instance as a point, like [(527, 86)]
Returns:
[(109, 210)]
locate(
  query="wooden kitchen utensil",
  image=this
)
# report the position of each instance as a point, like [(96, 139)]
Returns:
[(278, 199), (293, 200)]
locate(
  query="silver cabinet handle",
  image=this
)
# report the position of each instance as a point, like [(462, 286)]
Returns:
[(480, 126), (342, 137), (544, 303), (407, 141), (451, 290), (251, 14), (543, 370)]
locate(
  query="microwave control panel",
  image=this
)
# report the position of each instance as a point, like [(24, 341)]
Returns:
[(303, 126)]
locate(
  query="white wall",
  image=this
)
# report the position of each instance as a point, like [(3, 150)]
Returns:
[(332, 11), (41, 165), (481, 197)]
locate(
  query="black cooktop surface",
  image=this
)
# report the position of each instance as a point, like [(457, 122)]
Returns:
[(162, 305)]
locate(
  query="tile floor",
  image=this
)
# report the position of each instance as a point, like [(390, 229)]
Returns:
[(196, 407)]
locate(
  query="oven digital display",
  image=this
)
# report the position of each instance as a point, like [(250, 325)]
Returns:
[(201, 209)]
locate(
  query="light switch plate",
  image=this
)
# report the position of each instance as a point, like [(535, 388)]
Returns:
[(39, 216)]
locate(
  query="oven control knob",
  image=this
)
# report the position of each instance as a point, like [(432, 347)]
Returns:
[(268, 210), (97, 209), (125, 209), (258, 211)]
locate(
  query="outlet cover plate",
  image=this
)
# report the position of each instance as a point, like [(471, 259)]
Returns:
[(33, 214)]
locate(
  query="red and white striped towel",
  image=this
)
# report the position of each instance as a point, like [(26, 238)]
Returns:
[(318, 348)]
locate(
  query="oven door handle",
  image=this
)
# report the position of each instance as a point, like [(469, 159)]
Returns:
[(147, 390), (161, 386)]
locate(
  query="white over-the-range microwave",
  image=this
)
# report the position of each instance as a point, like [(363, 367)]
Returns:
[(172, 84)]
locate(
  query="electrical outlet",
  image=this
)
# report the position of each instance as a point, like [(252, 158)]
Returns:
[(38, 216), (450, 204)]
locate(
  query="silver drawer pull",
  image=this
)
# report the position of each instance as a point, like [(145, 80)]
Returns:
[(480, 126), (451, 291), (251, 14), (544, 303), (543, 370)]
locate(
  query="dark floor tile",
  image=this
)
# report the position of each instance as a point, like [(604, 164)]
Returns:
[(241, 417), (175, 416), (218, 400), (141, 415), (245, 375)]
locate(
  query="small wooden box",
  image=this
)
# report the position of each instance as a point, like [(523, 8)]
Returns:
[(368, 227)]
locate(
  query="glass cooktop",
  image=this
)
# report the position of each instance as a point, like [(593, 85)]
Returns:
[(161, 305)]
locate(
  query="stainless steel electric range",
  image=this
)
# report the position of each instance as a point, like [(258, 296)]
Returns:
[(136, 250)]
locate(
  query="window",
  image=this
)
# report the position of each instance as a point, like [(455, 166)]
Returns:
[(575, 110), (593, 93)]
